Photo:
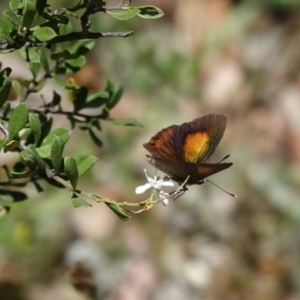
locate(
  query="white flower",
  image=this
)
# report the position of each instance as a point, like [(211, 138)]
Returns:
[(164, 196), (155, 183)]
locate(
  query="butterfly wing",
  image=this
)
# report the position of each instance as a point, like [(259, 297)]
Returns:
[(193, 141), (201, 137), (167, 143), (180, 170)]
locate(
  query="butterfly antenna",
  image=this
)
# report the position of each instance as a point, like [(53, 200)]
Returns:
[(232, 195), (224, 158)]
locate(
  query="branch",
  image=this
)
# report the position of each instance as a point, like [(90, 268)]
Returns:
[(73, 36), (98, 198), (54, 111)]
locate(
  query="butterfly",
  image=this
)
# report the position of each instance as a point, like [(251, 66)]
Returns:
[(182, 151)]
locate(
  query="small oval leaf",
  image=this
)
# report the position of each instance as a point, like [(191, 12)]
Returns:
[(124, 15), (126, 122), (14, 4), (44, 34), (70, 168), (17, 88), (150, 12), (35, 155), (24, 174), (78, 202), (85, 163), (4, 92), (36, 127), (45, 149), (120, 212), (12, 196), (56, 153), (18, 120), (12, 17), (10, 146), (115, 91), (95, 139)]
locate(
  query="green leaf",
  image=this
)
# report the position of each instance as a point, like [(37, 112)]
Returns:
[(7, 38), (44, 61), (30, 54), (5, 85), (36, 127), (74, 65), (56, 152), (18, 120), (45, 149), (4, 91), (19, 166), (4, 74), (66, 84), (124, 15), (83, 47), (150, 12), (24, 174), (56, 98), (15, 4), (36, 157), (34, 67), (85, 163), (27, 157), (62, 83), (26, 82), (37, 186), (10, 146), (17, 88), (78, 202), (29, 14), (13, 18), (12, 196), (126, 122), (82, 125), (40, 85), (65, 28), (96, 100), (44, 34), (115, 91), (120, 212), (53, 20), (78, 97), (46, 126), (7, 29), (62, 55), (95, 139), (70, 169)]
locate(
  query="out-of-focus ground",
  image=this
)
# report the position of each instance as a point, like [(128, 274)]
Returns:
[(238, 58)]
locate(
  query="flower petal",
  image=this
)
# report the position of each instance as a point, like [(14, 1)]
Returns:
[(143, 188), (167, 183), (165, 201)]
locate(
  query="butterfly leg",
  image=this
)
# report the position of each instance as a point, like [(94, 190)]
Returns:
[(181, 189)]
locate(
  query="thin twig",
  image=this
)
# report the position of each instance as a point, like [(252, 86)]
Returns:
[(92, 196)]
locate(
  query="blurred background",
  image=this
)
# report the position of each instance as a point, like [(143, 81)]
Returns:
[(238, 58)]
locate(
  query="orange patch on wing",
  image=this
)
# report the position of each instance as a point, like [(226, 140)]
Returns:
[(195, 146)]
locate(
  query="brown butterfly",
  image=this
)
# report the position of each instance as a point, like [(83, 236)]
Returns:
[(182, 151)]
